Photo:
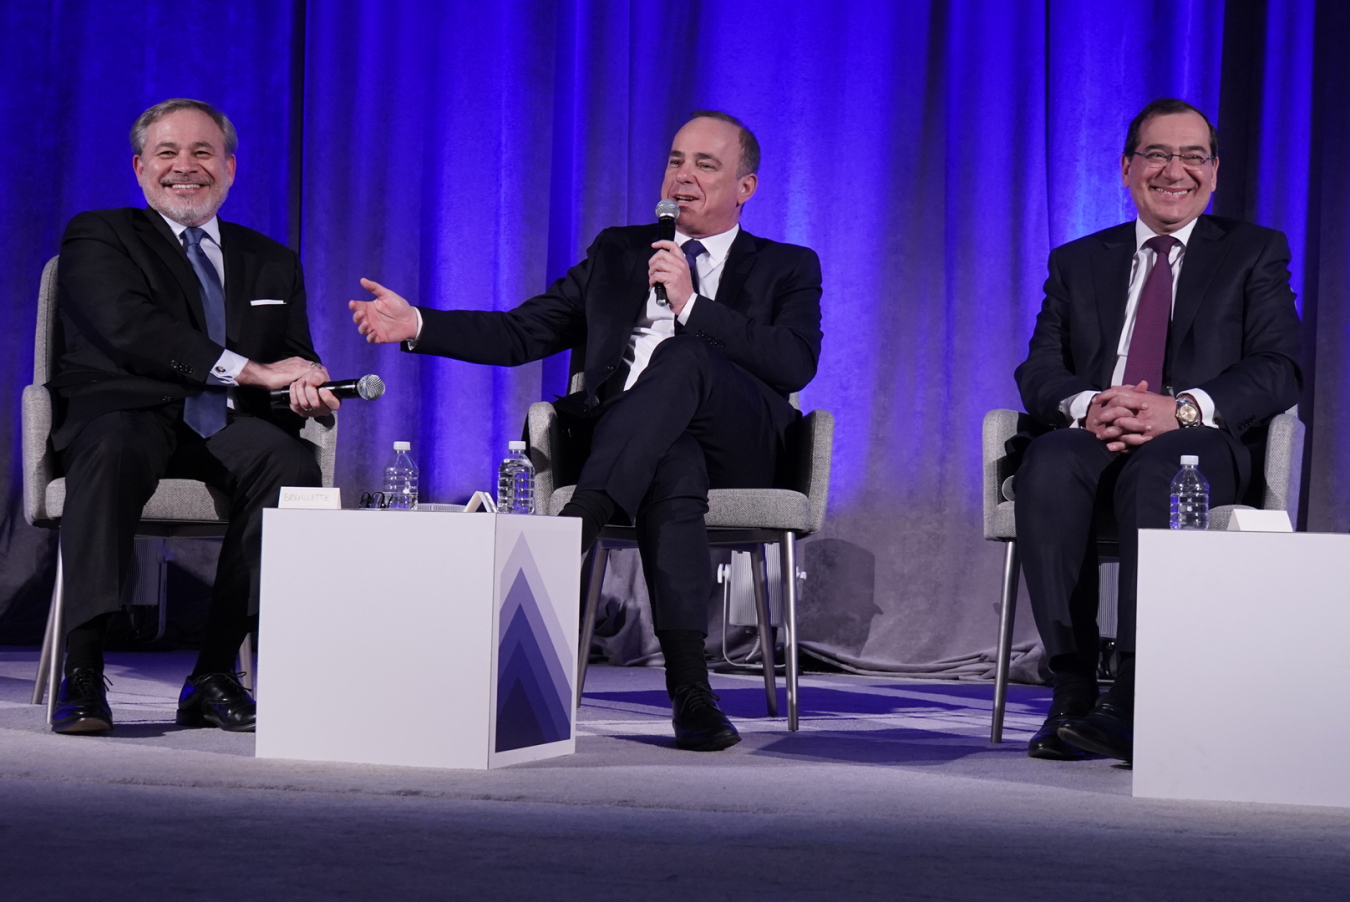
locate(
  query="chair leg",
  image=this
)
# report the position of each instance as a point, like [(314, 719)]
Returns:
[(765, 622), (1007, 611), (788, 557), (245, 665), (51, 640), (58, 638), (594, 583)]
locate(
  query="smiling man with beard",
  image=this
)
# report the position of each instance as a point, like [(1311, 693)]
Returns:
[(176, 325), (1172, 335)]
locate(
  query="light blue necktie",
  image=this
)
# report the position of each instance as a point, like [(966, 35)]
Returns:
[(205, 410)]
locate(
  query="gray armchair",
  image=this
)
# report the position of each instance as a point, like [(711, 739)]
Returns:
[(743, 519), (179, 508), (1283, 474)]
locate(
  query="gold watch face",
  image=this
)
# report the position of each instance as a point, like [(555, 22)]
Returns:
[(1188, 413)]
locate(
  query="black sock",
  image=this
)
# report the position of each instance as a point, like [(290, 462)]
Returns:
[(594, 508), (685, 662), (84, 644), (1075, 684), (1121, 692), (220, 647)]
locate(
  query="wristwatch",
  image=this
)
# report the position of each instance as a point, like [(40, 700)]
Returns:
[(1188, 412)]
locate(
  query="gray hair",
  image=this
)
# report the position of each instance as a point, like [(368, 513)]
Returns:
[(173, 105)]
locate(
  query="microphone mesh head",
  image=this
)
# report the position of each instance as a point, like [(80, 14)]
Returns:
[(369, 387), (667, 208)]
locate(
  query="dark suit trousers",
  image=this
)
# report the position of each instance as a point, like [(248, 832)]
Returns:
[(692, 421), (111, 470), (1068, 488)]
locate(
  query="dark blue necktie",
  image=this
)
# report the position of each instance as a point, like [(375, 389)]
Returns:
[(205, 410), (692, 249)]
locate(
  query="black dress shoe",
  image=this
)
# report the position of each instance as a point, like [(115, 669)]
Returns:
[(1107, 729), (82, 705), (216, 700), (1047, 745), (700, 726)]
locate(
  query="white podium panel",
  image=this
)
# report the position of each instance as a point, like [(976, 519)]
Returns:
[(418, 638), (1242, 676)]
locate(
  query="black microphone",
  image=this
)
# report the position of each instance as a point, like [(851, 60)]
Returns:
[(367, 388), (667, 211)]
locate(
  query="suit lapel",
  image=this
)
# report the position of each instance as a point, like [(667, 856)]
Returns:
[(740, 261), (236, 265), (1204, 254), (1111, 284), (157, 235)]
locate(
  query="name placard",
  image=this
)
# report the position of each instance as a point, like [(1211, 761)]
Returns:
[(1246, 520), (308, 498)]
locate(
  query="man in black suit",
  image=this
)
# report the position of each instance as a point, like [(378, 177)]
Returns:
[(168, 315), (683, 394), (1172, 335)]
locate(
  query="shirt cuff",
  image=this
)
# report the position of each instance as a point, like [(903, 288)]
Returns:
[(227, 369), (1208, 415), (1075, 407), (412, 342), (687, 309)]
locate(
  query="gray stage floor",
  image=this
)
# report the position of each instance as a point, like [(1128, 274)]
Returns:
[(889, 791)]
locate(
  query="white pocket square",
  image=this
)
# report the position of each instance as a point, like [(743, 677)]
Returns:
[(263, 302)]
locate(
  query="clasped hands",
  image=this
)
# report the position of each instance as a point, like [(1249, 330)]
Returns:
[(1127, 416), (303, 378)]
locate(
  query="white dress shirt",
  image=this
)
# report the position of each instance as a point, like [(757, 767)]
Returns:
[(1075, 408), (230, 364), (657, 322)]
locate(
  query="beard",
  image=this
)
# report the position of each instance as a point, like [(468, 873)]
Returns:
[(189, 211)]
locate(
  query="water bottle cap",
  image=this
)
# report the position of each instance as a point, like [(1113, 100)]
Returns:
[(516, 446), (402, 446), (1190, 460)]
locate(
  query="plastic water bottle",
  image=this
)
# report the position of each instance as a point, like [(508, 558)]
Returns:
[(400, 479), (515, 482), (1190, 496)]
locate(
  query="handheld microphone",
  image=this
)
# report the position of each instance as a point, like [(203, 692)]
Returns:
[(667, 211), (367, 388)]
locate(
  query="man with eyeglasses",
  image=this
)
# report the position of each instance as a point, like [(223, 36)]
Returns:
[(1173, 334)]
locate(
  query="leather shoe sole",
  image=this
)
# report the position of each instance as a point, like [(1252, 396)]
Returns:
[(706, 740), (82, 724), (216, 700)]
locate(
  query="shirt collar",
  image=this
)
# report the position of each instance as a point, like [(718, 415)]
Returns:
[(1143, 233), (212, 228), (716, 246)]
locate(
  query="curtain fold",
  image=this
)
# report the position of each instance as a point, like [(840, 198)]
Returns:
[(931, 152)]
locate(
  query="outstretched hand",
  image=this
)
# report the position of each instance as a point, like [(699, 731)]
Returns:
[(386, 319)]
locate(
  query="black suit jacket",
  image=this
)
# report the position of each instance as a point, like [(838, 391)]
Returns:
[(1234, 331), (765, 319), (131, 312)]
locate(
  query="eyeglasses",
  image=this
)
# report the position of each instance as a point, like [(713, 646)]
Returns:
[(1158, 159)]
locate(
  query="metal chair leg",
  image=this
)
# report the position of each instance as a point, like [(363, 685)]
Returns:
[(58, 616), (788, 556), (594, 582), (51, 637), (1007, 611), (764, 620)]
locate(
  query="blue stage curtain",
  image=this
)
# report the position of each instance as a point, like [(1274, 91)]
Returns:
[(465, 154)]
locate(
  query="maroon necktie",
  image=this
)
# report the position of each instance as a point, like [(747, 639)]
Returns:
[(1148, 343)]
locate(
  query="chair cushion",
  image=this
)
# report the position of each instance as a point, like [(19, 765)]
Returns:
[(739, 508), (174, 499)]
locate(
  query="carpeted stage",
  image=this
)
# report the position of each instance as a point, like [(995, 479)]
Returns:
[(889, 791)]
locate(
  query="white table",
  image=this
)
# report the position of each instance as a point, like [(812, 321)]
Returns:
[(418, 638), (1242, 671)]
